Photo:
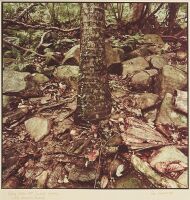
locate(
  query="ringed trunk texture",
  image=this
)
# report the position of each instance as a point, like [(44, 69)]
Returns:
[(94, 99)]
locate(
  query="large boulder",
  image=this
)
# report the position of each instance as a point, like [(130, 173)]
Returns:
[(40, 78), (38, 127), (19, 84), (143, 80), (14, 82), (67, 71), (153, 39), (113, 55), (134, 65), (158, 61), (168, 115), (171, 79)]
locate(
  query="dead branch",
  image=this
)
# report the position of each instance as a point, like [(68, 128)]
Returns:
[(39, 26), (26, 10), (170, 38), (41, 40), (22, 48)]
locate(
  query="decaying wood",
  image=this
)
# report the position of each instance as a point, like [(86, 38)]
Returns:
[(139, 135), (14, 117), (153, 177), (180, 101), (39, 26)]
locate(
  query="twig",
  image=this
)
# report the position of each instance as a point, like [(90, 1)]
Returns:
[(26, 10), (22, 48), (40, 26)]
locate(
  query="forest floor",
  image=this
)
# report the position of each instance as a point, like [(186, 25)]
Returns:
[(144, 143)]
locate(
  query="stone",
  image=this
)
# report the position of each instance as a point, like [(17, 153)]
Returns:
[(115, 141), (140, 52), (72, 57), (56, 177), (150, 116), (134, 65), (143, 80), (158, 62), (14, 82), (40, 78), (145, 100), (83, 174), (67, 71), (113, 55), (167, 154), (38, 127), (6, 102), (154, 39), (170, 80), (41, 179), (167, 114), (181, 55), (183, 179), (129, 181)]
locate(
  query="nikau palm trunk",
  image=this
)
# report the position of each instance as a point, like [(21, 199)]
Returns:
[(94, 99)]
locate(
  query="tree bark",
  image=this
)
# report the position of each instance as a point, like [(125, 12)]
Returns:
[(94, 99)]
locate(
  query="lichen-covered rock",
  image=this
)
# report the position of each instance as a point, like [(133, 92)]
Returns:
[(38, 127), (170, 80), (158, 62), (72, 57), (83, 175), (134, 65), (40, 78), (153, 38), (67, 71), (167, 114), (14, 82)]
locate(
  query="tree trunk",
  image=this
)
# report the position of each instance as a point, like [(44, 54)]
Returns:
[(94, 99)]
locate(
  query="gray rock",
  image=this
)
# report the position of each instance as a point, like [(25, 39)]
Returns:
[(14, 82), (66, 71), (183, 179), (142, 52), (171, 79), (145, 100), (167, 114), (37, 127), (40, 78), (158, 62), (151, 115), (143, 80), (83, 175), (153, 38), (134, 65), (72, 57), (167, 154)]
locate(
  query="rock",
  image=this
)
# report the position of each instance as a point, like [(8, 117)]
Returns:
[(158, 62), (14, 82), (181, 55), (151, 115), (37, 127), (40, 78), (113, 55), (183, 179), (83, 174), (41, 179), (6, 102), (129, 181), (167, 155), (171, 79), (168, 116), (72, 57), (143, 79), (145, 100), (56, 177), (156, 179), (140, 52), (180, 101), (153, 38), (140, 135), (134, 65), (115, 141), (183, 68), (67, 71)]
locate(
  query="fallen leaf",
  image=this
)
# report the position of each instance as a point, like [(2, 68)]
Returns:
[(104, 181)]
